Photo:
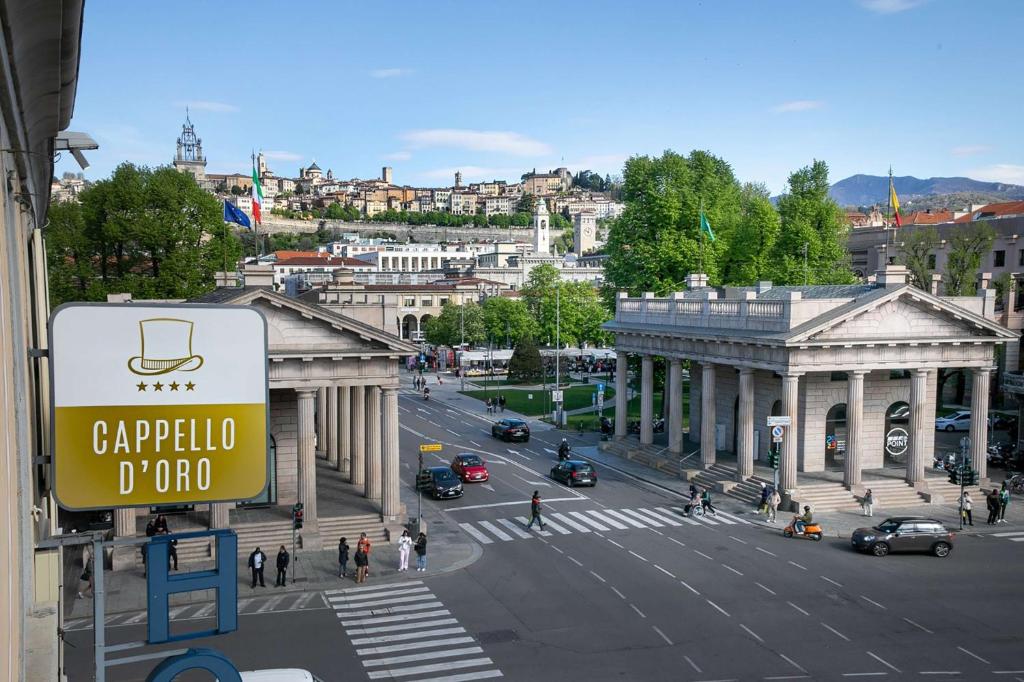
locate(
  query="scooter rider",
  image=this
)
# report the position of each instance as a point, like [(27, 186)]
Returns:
[(426, 394), (563, 449), (801, 522)]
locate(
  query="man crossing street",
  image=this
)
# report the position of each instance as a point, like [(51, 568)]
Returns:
[(535, 509)]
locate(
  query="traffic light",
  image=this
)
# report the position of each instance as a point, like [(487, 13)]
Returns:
[(955, 477), (773, 458), (970, 477), (297, 516)]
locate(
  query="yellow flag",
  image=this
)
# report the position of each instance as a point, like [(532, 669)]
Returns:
[(895, 201)]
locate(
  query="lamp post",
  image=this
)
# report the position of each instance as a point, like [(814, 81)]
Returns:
[(462, 344), (558, 348)]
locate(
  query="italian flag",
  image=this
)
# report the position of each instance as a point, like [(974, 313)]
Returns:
[(257, 197)]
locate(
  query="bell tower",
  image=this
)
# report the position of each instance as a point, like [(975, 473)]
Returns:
[(541, 227), (189, 158)]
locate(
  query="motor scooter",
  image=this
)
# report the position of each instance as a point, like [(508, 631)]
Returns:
[(426, 394), (812, 531)]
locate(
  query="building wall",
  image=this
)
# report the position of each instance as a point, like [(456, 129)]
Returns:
[(284, 419)]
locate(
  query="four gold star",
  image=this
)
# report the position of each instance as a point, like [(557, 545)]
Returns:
[(190, 386), (141, 386), (174, 385), (158, 386)]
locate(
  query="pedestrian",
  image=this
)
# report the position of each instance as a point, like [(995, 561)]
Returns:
[(694, 490), (705, 502), (1004, 502), (490, 408), (501, 403), (364, 544), (160, 525), (535, 509), (342, 557), (421, 552), (256, 561), (361, 564), (992, 504), (439, 382), (282, 567), (966, 505), (762, 506), (172, 555), (404, 545), (773, 505), (85, 581), (867, 502)]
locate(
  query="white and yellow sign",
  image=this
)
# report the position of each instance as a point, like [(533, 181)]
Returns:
[(158, 404)]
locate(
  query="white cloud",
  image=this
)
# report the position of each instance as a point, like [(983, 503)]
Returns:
[(970, 149), (398, 156), (390, 73), (798, 105), (890, 6), (473, 173), (607, 163), (999, 172), (206, 105), (279, 155), (504, 142)]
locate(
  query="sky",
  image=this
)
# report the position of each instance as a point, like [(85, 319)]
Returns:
[(495, 89)]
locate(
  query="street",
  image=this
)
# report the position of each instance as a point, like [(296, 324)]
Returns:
[(621, 586)]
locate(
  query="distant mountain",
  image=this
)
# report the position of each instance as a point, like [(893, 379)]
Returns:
[(866, 190)]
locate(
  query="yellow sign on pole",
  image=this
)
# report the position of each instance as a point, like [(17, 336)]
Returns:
[(158, 404), (430, 447)]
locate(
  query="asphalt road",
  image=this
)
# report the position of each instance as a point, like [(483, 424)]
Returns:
[(622, 587)]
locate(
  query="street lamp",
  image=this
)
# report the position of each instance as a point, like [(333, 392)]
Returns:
[(558, 348)]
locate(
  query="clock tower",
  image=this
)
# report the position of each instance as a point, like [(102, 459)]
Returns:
[(541, 227), (584, 235)]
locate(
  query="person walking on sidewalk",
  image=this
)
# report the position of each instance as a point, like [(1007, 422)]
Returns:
[(501, 403), (362, 562), (489, 406), (992, 504), (256, 561), (705, 502), (282, 567), (867, 502), (762, 505), (966, 504), (773, 505), (404, 545), (364, 544), (535, 509), (342, 557), (1004, 502), (421, 552)]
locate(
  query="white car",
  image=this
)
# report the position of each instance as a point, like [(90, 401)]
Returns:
[(958, 421), (280, 675)]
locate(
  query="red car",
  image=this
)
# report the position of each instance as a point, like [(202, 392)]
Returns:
[(470, 468)]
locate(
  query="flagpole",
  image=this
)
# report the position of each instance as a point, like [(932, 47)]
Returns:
[(700, 235), (888, 208)]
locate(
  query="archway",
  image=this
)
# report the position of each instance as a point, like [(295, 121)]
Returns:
[(408, 326), (777, 408), (835, 436), (423, 326), (896, 439)]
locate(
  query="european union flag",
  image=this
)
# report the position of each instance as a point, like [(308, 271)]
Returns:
[(232, 214)]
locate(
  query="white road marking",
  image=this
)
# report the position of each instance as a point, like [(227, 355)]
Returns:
[(527, 481), (208, 609), (1007, 535), (488, 486), (452, 432), (727, 566), (404, 626), (420, 409), (562, 518), (918, 626), (664, 571), (642, 518), (437, 667), (598, 577), (793, 663), (864, 674), (515, 529), (274, 601), (663, 635), (681, 544), (723, 611), (556, 548), (395, 619), (376, 588), (769, 591), (621, 596), (406, 636), (703, 554), (830, 581), (605, 519), (663, 517), (683, 516), (693, 665), (626, 519), (615, 543), (464, 677), (586, 519), (497, 532), (872, 601), (423, 656), (884, 662), (473, 442), (939, 672), (392, 609), (639, 612), (385, 602), (835, 632), (742, 542), (973, 655), (397, 589), (390, 648), (706, 520), (687, 586), (762, 549), (518, 454), (798, 608), (574, 560), (793, 563), (525, 521), (509, 504), (637, 556), (752, 633), (135, 619)]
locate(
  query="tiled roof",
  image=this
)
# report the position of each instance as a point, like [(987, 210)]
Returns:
[(1002, 210), (927, 218)]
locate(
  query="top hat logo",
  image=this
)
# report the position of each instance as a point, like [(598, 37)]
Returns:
[(166, 347)]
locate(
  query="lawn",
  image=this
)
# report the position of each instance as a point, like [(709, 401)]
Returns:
[(518, 399)]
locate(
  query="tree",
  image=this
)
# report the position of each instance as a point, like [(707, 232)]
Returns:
[(745, 260), (966, 247), (569, 311), (236, 190), (916, 252), (526, 204), (447, 328), (559, 222), (507, 320), (564, 241), (813, 221), (525, 364)]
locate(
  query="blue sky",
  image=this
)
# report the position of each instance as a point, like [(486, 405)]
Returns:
[(931, 87)]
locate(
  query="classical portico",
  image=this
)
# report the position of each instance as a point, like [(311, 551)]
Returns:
[(853, 367)]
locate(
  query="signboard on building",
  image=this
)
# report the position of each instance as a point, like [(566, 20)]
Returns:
[(897, 441), (430, 447), (158, 404), (777, 432), (779, 421), (556, 396)]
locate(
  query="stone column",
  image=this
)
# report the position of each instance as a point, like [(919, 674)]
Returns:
[(307, 466), (344, 458), (790, 408), (373, 464), (745, 424), (695, 400), (852, 465), (390, 500), (332, 426), (357, 431), (918, 424), (124, 523), (321, 420), (219, 514), (621, 394), (979, 419), (675, 413), (707, 415), (647, 400), (124, 527)]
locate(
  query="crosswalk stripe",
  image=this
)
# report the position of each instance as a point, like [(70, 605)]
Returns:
[(731, 520), (464, 677), (390, 648), (405, 636), (375, 620), (704, 518), (556, 526), (606, 519), (411, 658), (680, 514), (497, 532), (623, 517), (477, 535), (384, 602), (376, 588), (1007, 535), (437, 667), (135, 619), (390, 609), (569, 522), (586, 519), (1016, 539), (205, 611), (271, 603), (403, 626), (544, 533), (642, 518), (362, 598), (665, 519), (514, 528), (178, 610)]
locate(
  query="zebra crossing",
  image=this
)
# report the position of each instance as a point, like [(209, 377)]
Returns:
[(1012, 536), (403, 631), (486, 532)]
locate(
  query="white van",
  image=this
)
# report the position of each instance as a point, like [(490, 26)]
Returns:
[(280, 675)]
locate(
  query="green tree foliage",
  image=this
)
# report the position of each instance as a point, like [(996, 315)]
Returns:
[(150, 233), (745, 260), (918, 246), (342, 212), (810, 218), (559, 222), (525, 364), (564, 241), (966, 247), (446, 328), (507, 320), (577, 304), (527, 203)]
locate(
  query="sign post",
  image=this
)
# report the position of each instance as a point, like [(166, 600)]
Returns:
[(424, 447)]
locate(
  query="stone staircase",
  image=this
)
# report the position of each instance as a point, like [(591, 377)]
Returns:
[(722, 477), (654, 458)]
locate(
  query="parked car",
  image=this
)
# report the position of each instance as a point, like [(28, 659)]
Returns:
[(904, 534), (470, 467), (439, 482), (958, 421), (511, 430), (574, 472), (279, 675)]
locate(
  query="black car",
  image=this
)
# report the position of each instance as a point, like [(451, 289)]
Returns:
[(511, 430), (574, 472), (440, 482), (904, 534)]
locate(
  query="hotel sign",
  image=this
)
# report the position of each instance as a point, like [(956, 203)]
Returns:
[(158, 404)]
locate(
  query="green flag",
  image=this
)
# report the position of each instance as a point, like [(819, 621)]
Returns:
[(705, 226)]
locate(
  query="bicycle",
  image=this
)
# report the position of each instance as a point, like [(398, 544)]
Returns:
[(1016, 484)]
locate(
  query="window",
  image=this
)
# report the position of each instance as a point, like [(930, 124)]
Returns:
[(895, 374), (426, 303), (838, 376), (410, 301), (443, 301), (998, 259), (931, 261), (1020, 256)]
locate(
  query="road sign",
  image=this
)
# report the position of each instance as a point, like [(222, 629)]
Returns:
[(600, 388), (780, 421), (430, 447), (158, 404), (777, 431), (965, 442), (600, 401), (556, 396)]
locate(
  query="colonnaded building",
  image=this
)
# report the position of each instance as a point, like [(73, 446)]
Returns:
[(853, 367)]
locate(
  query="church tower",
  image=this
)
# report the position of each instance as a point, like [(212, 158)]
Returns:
[(541, 228), (189, 158), (584, 232)]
